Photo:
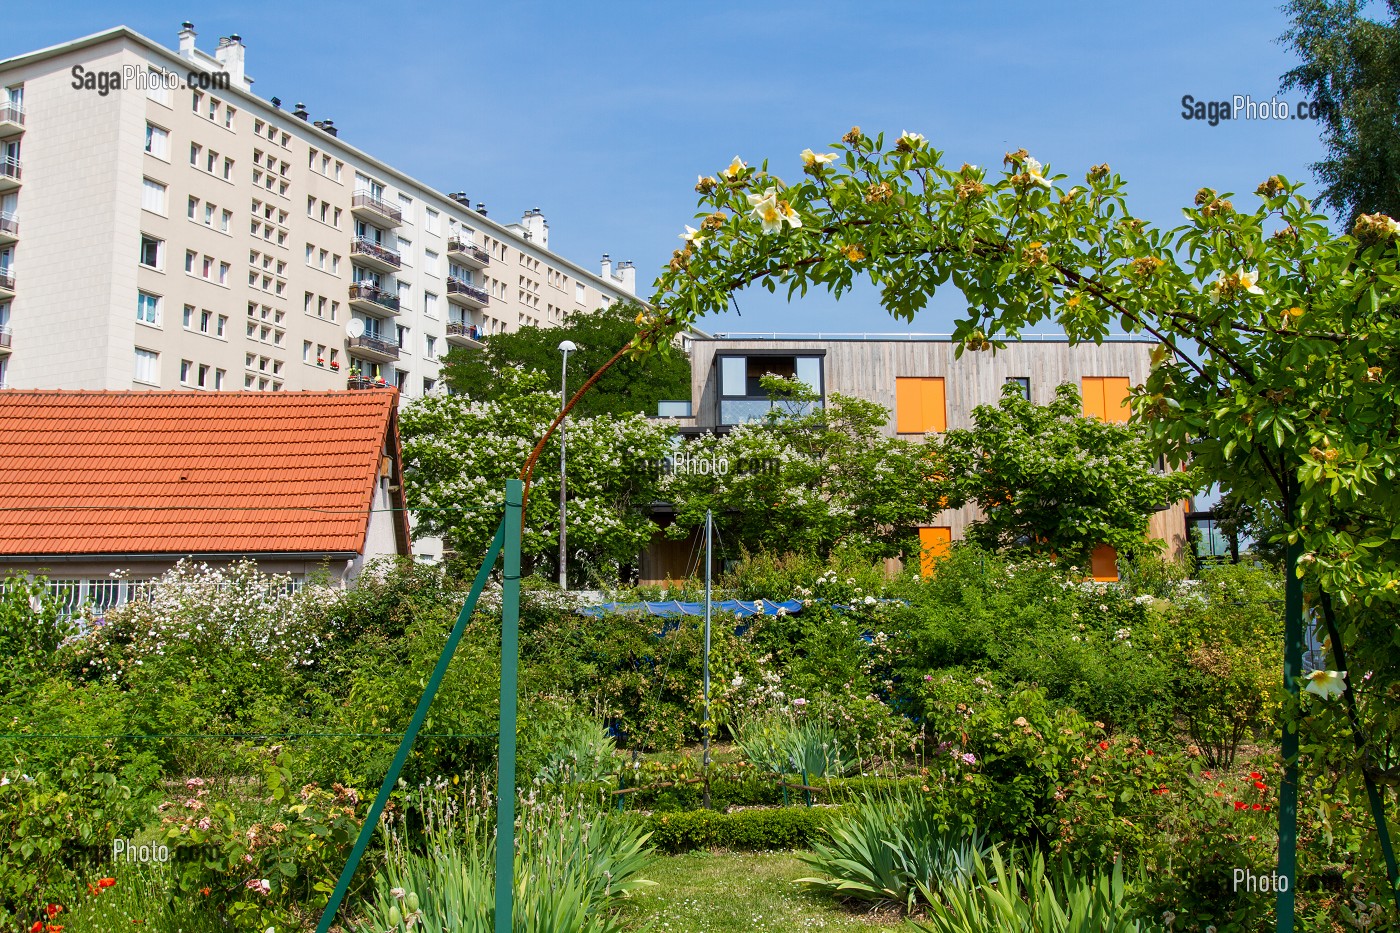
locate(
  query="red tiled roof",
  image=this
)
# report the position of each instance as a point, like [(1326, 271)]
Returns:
[(189, 472)]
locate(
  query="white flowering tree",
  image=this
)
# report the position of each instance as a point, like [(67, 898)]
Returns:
[(807, 479), (458, 453), (1277, 372)]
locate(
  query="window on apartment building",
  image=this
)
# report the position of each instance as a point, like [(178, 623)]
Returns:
[(152, 251), (406, 208), (221, 325), (189, 317), (401, 336), (430, 304), (185, 369), (225, 218), (228, 169), (153, 196), (197, 99), (192, 210), (147, 366), (156, 88), (401, 379), (920, 405), (219, 377), (190, 257), (430, 222), (157, 142), (430, 263), (148, 308), (1023, 382), (430, 346), (741, 394), (1106, 398), (213, 108), (223, 273), (196, 151), (229, 114)]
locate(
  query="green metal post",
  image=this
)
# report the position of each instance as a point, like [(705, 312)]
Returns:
[(1288, 792), (406, 743), (505, 757)]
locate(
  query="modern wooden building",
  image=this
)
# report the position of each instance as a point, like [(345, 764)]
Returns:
[(925, 387)]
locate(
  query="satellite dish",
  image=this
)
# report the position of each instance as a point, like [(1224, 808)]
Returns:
[(356, 328)]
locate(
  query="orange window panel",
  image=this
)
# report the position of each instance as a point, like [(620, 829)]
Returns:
[(1104, 563), (920, 404), (1106, 398), (934, 543)]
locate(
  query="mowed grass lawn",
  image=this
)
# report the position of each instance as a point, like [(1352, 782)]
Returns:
[(743, 892)]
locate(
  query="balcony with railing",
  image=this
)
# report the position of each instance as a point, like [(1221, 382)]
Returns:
[(379, 212), (9, 227), (462, 334), (463, 293), (366, 382), (375, 256), (9, 173), (4, 339), (7, 283), (11, 118), (469, 254), (368, 298), (370, 347)]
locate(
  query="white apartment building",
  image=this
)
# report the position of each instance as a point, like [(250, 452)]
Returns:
[(163, 227)]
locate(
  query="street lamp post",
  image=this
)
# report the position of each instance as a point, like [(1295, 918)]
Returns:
[(565, 347)]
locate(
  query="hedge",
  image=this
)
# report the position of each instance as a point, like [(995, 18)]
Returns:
[(754, 791), (781, 828)]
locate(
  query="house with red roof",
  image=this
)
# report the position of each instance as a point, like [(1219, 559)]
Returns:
[(131, 482)]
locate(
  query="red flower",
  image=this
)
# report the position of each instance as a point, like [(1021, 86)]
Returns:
[(106, 882), (1255, 776), (38, 925), (1261, 785), (53, 928), (1256, 806), (1240, 805), (1149, 751), (1103, 745), (53, 910), (1161, 790), (204, 891), (1206, 775)]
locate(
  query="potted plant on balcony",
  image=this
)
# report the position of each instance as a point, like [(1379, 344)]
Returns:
[(335, 366), (320, 361)]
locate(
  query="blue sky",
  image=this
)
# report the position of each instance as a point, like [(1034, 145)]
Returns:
[(603, 114)]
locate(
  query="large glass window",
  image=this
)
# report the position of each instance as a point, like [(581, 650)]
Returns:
[(741, 393)]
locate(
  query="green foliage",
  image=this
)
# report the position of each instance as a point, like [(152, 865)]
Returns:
[(459, 452), (1349, 67), (297, 846), (570, 869), (632, 386), (1052, 480), (55, 824), (889, 849), (30, 630), (807, 479), (584, 752), (1019, 892), (784, 744), (761, 830)]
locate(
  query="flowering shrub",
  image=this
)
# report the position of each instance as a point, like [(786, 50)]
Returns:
[(257, 869)]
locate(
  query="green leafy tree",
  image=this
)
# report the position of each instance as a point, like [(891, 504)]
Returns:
[(1050, 479), (1277, 374), (807, 479), (633, 386), (1351, 68), (459, 452)]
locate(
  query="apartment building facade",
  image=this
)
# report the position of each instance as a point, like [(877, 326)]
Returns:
[(925, 387), (162, 227)]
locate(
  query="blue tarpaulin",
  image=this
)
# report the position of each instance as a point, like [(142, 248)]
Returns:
[(739, 607)]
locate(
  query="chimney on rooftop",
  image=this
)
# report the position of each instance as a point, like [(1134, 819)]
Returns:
[(481, 208), (607, 267), (187, 35), (230, 54), (276, 103), (300, 111), (329, 127), (536, 227), (628, 273)]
